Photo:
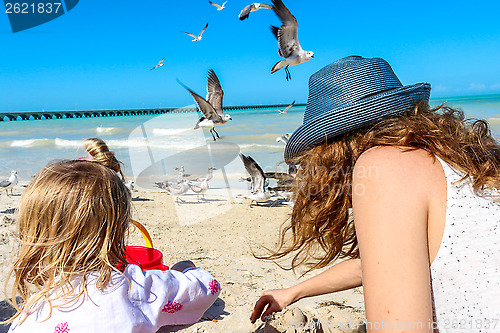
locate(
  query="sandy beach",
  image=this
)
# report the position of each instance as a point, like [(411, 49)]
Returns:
[(221, 243)]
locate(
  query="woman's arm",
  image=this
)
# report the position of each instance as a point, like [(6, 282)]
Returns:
[(342, 276), (390, 208)]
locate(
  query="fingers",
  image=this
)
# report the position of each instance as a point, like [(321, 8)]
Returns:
[(264, 300), (259, 307), (269, 311)]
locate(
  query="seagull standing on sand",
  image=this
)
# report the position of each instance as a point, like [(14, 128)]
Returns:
[(9, 183), (252, 8), (196, 38), (175, 190), (219, 7), (201, 185), (284, 138), (288, 40), (160, 63), (259, 192), (130, 184), (211, 107), (208, 176), (181, 174), (288, 107)]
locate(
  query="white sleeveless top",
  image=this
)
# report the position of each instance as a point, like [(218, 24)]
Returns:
[(466, 271)]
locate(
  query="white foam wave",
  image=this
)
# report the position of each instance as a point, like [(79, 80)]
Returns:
[(180, 145), (256, 145), (177, 144), (169, 131), (31, 143), (106, 130), (494, 120), (68, 143)]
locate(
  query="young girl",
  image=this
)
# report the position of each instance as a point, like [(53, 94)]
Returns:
[(73, 220), (423, 187)]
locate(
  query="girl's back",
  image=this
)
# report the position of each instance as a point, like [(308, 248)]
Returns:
[(151, 300)]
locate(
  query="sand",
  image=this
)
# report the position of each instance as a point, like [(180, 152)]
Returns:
[(218, 234)]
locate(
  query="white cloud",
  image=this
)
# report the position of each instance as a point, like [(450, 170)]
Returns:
[(477, 86), (440, 88), (495, 86)]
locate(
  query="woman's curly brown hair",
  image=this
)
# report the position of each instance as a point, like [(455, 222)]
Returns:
[(321, 231)]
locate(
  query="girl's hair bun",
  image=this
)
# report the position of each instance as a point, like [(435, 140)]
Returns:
[(100, 153)]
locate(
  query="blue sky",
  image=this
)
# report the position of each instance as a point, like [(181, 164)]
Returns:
[(99, 55)]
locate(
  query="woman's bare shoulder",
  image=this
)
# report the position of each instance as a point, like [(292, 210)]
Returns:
[(410, 168), (394, 158), (392, 154)]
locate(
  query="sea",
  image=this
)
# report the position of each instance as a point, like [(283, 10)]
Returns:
[(155, 145)]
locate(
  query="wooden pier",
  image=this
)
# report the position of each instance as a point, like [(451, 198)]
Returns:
[(38, 115)]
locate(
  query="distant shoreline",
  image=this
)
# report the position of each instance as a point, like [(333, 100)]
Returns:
[(67, 114), (238, 107), (466, 97)]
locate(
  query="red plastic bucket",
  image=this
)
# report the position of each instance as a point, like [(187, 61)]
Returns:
[(145, 257)]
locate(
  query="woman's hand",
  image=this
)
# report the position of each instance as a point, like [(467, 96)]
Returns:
[(342, 276), (275, 299)]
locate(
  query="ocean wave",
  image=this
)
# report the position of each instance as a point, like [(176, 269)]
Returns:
[(169, 131), (106, 130), (31, 143), (494, 120), (256, 145), (68, 143), (178, 145)]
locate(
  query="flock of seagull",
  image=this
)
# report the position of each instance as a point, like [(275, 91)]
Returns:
[(287, 35), (289, 48), (181, 185), (259, 183), (213, 115), (211, 107)]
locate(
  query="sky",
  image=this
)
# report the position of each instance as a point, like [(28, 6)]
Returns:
[(99, 54)]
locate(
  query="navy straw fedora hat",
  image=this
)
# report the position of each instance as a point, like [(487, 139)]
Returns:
[(349, 94)]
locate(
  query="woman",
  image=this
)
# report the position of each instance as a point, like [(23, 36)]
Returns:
[(423, 187)]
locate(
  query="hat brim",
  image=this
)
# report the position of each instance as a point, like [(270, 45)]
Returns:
[(342, 120)]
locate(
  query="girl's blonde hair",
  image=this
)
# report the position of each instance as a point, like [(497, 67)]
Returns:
[(100, 153), (321, 231), (73, 219)]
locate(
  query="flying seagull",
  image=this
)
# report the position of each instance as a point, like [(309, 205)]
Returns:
[(211, 107), (288, 107), (219, 7), (259, 192), (9, 183), (196, 38), (159, 64), (288, 40), (252, 8), (284, 179)]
